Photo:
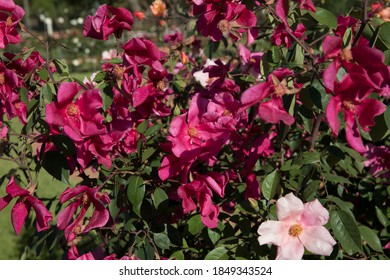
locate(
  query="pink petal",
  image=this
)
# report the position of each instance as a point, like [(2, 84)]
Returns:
[(352, 133), (66, 93), (317, 240), (314, 214), (254, 95), (281, 9), (13, 189), (99, 218), (64, 218), (293, 249), (178, 126), (18, 216), (4, 201), (273, 232), (332, 111), (289, 208), (72, 192), (170, 167), (273, 112), (332, 46), (367, 109), (211, 220), (43, 216)]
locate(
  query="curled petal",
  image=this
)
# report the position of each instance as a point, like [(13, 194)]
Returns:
[(332, 111)]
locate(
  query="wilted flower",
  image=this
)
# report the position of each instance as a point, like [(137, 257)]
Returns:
[(300, 226)]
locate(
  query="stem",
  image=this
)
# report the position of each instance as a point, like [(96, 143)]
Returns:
[(363, 24), (316, 130)]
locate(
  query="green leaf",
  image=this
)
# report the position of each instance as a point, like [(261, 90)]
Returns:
[(148, 153), (195, 224), (108, 96), (61, 67), (178, 255), (153, 129), (325, 17), (386, 116), (269, 185), (159, 196), (371, 238), (336, 179), (346, 231), (161, 240), (381, 217), (27, 53), (214, 235), (380, 130), (342, 205), (384, 34), (57, 166), (142, 127), (136, 192), (115, 60), (47, 92), (219, 253)]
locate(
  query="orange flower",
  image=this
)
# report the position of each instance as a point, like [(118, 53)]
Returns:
[(159, 8), (139, 15)]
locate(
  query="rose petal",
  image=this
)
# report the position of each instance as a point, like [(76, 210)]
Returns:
[(314, 214), (317, 240), (289, 208), (292, 250), (273, 232)]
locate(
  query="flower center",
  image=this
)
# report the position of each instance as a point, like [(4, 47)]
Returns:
[(72, 110), (224, 26), (160, 85), (2, 79), (295, 230), (346, 54), (85, 199), (118, 71), (77, 229), (9, 21), (192, 132), (349, 105), (280, 89), (226, 113)]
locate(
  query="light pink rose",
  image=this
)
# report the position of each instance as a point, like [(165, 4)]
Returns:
[(300, 226)]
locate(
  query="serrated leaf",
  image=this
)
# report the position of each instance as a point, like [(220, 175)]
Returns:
[(159, 196), (195, 224), (325, 17), (346, 231), (371, 238), (161, 240), (219, 253), (342, 205), (270, 184)]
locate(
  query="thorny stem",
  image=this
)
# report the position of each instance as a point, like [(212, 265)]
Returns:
[(363, 24)]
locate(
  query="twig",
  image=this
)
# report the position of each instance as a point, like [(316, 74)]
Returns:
[(316, 130), (363, 24)]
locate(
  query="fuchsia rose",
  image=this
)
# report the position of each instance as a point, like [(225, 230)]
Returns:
[(351, 98), (202, 188), (250, 61), (10, 16), (25, 202), (280, 37), (269, 95), (218, 18), (78, 118), (300, 226), (85, 197), (107, 20), (141, 51)]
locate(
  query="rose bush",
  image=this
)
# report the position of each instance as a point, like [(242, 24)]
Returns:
[(255, 123)]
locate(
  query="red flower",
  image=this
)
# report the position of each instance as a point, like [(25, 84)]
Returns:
[(10, 16), (23, 205), (350, 97), (84, 197), (107, 20)]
